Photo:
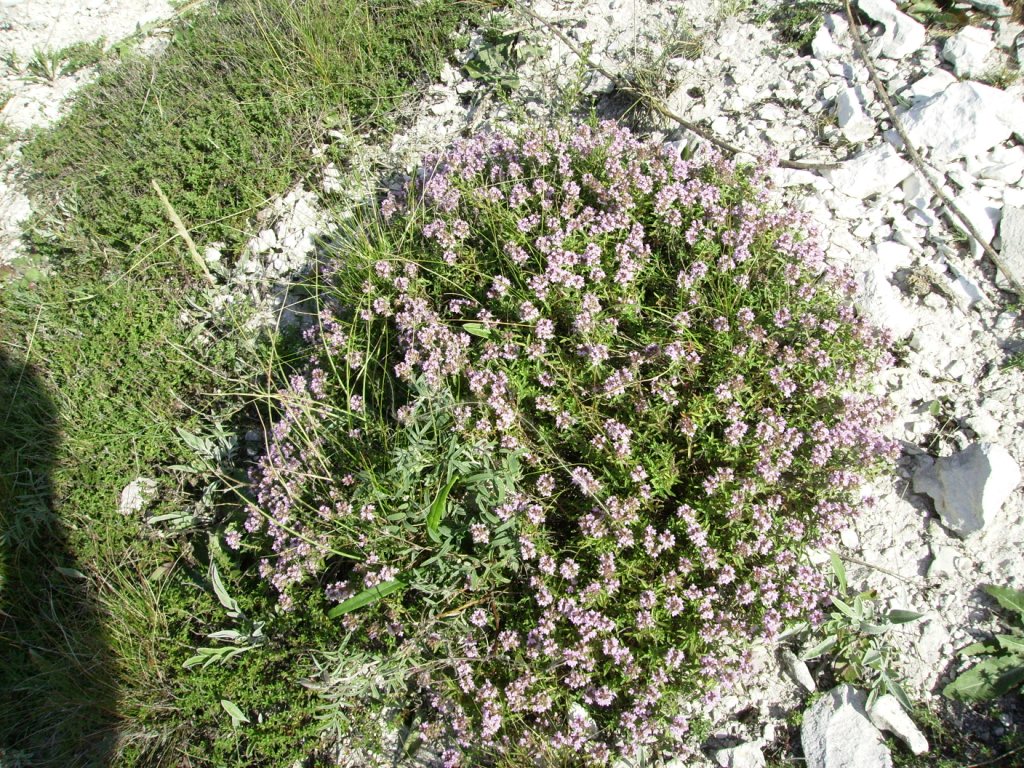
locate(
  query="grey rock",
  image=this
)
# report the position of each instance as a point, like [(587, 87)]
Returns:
[(888, 715), (874, 171), (902, 34), (995, 8), (1011, 232), (965, 119), (968, 51), (1006, 34), (797, 670), (836, 733), (969, 487), (747, 755)]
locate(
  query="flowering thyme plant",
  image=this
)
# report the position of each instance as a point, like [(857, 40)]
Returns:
[(575, 409)]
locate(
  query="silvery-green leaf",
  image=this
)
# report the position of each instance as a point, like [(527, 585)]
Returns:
[(840, 571), (221, 592), (898, 616), (237, 716)]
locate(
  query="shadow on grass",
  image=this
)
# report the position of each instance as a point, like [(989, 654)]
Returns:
[(57, 686)]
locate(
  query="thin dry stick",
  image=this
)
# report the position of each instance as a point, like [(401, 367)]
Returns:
[(179, 227), (656, 104), (916, 157), (996, 759)]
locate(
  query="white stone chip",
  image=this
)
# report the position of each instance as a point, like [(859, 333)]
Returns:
[(982, 213), (747, 755), (888, 715), (824, 47), (969, 487), (872, 172), (857, 126), (797, 670), (996, 8), (932, 84), (1011, 232), (968, 51), (881, 302), (902, 34)]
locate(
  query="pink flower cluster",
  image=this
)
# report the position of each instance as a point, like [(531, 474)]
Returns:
[(676, 365)]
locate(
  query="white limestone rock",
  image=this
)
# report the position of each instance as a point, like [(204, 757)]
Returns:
[(874, 171), (968, 51), (824, 47), (932, 84), (1003, 164), (1011, 233), (969, 487), (836, 733), (797, 670), (984, 425), (965, 119), (747, 755), (881, 302), (902, 34), (983, 213), (943, 565), (888, 715), (857, 126), (1006, 34)]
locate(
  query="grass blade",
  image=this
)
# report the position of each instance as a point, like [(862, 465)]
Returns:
[(366, 597)]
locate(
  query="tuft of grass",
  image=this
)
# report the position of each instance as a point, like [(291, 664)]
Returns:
[(100, 371), (226, 115), (48, 65)]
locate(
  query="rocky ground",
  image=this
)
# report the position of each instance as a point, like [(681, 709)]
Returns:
[(950, 518)]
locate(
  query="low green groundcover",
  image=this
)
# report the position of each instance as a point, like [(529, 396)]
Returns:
[(575, 408)]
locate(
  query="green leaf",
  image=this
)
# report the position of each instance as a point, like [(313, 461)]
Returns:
[(797, 629), (901, 695), (366, 597), (1011, 643), (221, 592), (71, 573), (477, 329), (873, 629), (974, 649), (437, 510), (816, 650), (840, 571), (898, 616), (1010, 599), (845, 609), (987, 679), (237, 716)]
